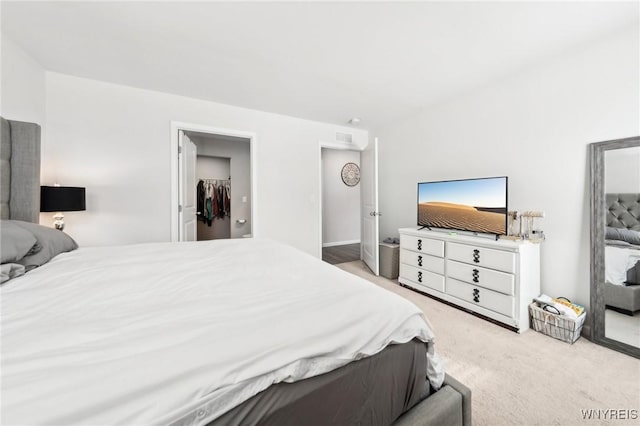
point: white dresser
(497, 279)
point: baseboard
(586, 332)
(340, 243)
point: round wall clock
(351, 174)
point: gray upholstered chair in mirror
(615, 244)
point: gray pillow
(9, 271)
(15, 242)
(623, 234)
(52, 241)
(617, 243)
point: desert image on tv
(477, 205)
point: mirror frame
(596, 156)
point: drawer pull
(476, 276)
(419, 276)
(476, 256)
(419, 244)
(419, 260)
(476, 295)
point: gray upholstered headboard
(20, 170)
(623, 211)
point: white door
(187, 153)
(369, 210)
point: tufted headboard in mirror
(20, 170)
(623, 211)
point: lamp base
(58, 222)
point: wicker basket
(565, 329)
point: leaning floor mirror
(615, 244)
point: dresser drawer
(489, 258)
(497, 302)
(422, 245)
(483, 277)
(424, 261)
(422, 277)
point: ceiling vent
(344, 137)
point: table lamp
(60, 199)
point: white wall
(115, 141)
(533, 127)
(622, 170)
(23, 93)
(239, 168)
(23, 85)
(340, 203)
(211, 167)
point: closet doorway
(215, 185)
(341, 199)
(213, 197)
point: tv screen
(476, 205)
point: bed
(622, 253)
(245, 331)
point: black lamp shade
(62, 199)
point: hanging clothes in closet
(220, 199)
(227, 198)
(200, 201)
(213, 199)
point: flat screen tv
(475, 205)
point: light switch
(244, 198)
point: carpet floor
(528, 378)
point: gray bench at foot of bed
(622, 297)
(450, 406)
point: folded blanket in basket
(578, 309)
(563, 306)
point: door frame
(177, 126)
(340, 147)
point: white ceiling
(322, 61)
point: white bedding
(618, 261)
(170, 333)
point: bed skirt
(387, 388)
(375, 390)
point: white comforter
(181, 333)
